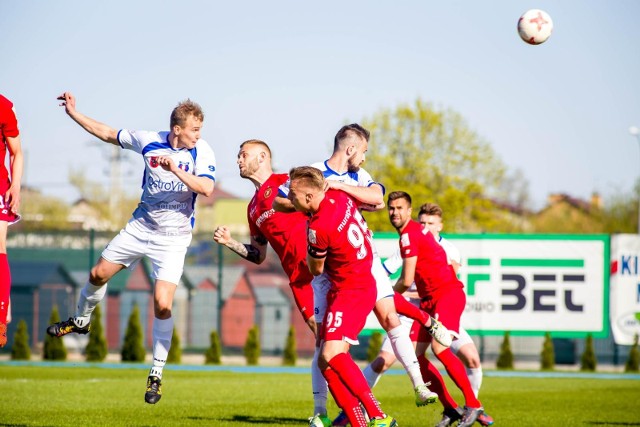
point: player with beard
(339, 245)
(343, 171)
(441, 295)
(286, 233)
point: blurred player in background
(430, 217)
(10, 180)
(339, 244)
(178, 166)
(441, 295)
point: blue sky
(291, 73)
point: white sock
(371, 376)
(405, 353)
(162, 333)
(90, 296)
(319, 386)
(475, 378)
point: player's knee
(98, 276)
(162, 311)
(378, 365)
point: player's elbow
(207, 189)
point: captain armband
(315, 252)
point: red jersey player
(286, 233)
(9, 200)
(339, 244)
(442, 296)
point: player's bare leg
(90, 295)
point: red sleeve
(408, 244)
(8, 120)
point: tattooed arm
(255, 252)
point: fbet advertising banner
(530, 284)
(625, 287)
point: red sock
(405, 308)
(344, 398)
(5, 287)
(353, 378)
(431, 375)
(458, 374)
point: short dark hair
(347, 130)
(399, 195)
(257, 142)
(430, 209)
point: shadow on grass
(254, 420)
(612, 423)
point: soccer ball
(535, 26)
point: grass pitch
(82, 395)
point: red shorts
(448, 306)
(303, 296)
(347, 311)
(6, 214)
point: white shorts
(166, 252)
(463, 338)
(321, 285)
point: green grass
(75, 395)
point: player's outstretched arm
(94, 127)
(255, 252)
(371, 197)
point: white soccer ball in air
(535, 26)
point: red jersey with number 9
(339, 232)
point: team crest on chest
(267, 192)
(184, 166)
(153, 162)
(404, 240)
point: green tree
(175, 351)
(290, 355)
(588, 360)
(505, 358)
(375, 343)
(633, 361)
(213, 355)
(133, 347)
(434, 155)
(54, 348)
(547, 356)
(41, 212)
(20, 349)
(96, 350)
(252, 346)
(620, 212)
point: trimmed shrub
(290, 355)
(547, 356)
(588, 360)
(375, 343)
(96, 350)
(213, 354)
(633, 361)
(133, 347)
(20, 349)
(252, 346)
(505, 359)
(175, 351)
(54, 348)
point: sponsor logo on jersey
(264, 216)
(160, 185)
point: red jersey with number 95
(339, 232)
